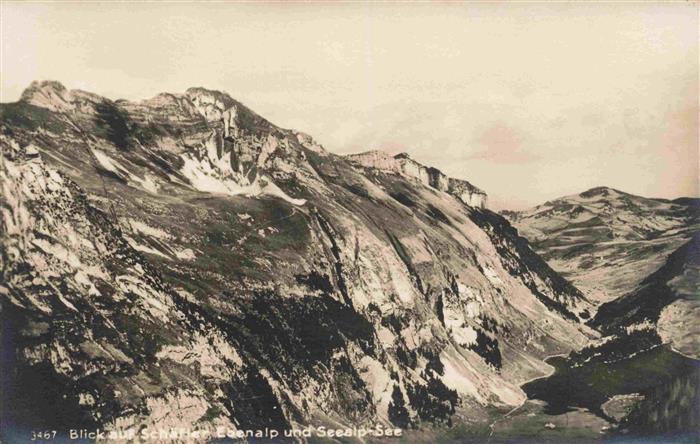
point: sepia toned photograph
(349, 222)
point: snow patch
(147, 230)
(148, 183)
(186, 254)
(109, 164)
(145, 249)
(219, 179)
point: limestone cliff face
(467, 193)
(403, 164)
(185, 251)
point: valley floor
(586, 403)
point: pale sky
(529, 101)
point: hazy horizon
(528, 101)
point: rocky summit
(183, 262)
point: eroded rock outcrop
(403, 164)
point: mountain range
(185, 251)
(606, 241)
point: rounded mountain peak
(601, 191)
(47, 94)
(44, 85)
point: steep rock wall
(429, 176)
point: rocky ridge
(403, 164)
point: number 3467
(43, 435)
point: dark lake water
(593, 383)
